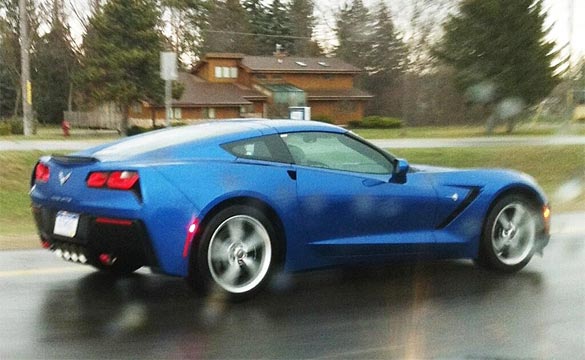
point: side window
(335, 151)
(265, 148)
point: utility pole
(168, 72)
(25, 71)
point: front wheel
(509, 234)
(237, 252)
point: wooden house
(228, 85)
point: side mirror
(401, 167)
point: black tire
(509, 235)
(238, 252)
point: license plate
(66, 224)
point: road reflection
(400, 310)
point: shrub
(323, 118)
(16, 126)
(5, 128)
(135, 130)
(354, 123)
(377, 122)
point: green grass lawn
(54, 132)
(468, 131)
(552, 166)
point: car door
(348, 204)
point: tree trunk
(510, 124)
(124, 123)
(490, 124)
(70, 97)
(17, 100)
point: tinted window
(335, 151)
(266, 148)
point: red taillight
(42, 173)
(97, 179)
(110, 221)
(122, 180)
(118, 180)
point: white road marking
(43, 271)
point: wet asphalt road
(52, 309)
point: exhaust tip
(107, 259)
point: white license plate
(66, 224)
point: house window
(209, 113)
(177, 113)
(347, 106)
(137, 108)
(246, 109)
(226, 72)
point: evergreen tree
(354, 34)
(302, 23)
(259, 24)
(501, 53)
(121, 55)
(386, 62)
(228, 29)
(54, 63)
(279, 26)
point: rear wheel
(237, 253)
(509, 234)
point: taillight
(122, 180)
(118, 180)
(97, 179)
(42, 173)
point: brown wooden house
(227, 85)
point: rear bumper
(96, 235)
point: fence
(105, 117)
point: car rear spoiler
(74, 160)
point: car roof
(202, 134)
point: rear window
(265, 148)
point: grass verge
(552, 166)
(468, 131)
(54, 132)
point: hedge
(376, 122)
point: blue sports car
(226, 204)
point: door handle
(292, 174)
(372, 182)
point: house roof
(198, 92)
(345, 94)
(291, 64)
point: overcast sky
(558, 17)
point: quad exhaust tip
(72, 253)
